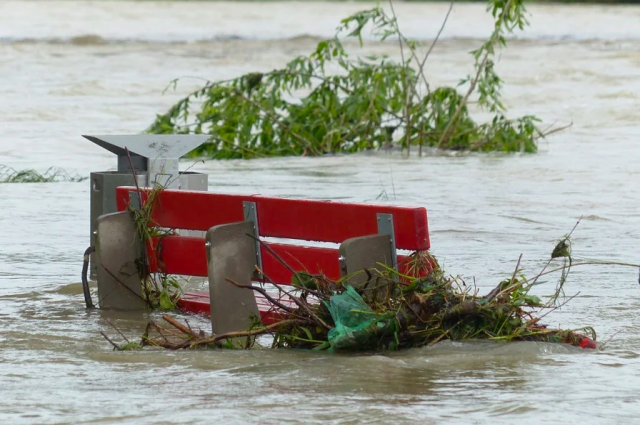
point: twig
(143, 252)
(117, 330)
(542, 271)
(264, 293)
(228, 335)
(442, 335)
(178, 325)
(145, 337)
(293, 297)
(609, 340)
(513, 278)
(407, 89)
(252, 332)
(551, 259)
(302, 304)
(120, 282)
(275, 255)
(585, 263)
(426, 56)
(555, 130)
(574, 228)
(474, 82)
(189, 326)
(316, 294)
(395, 23)
(592, 263)
(135, 176)
(497, 291)
(159, 329)
(115, 346)
(169, 345)
(552, 309)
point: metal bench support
(231, 254)
(385, 227)
(118, 249)
(361, 253)
(366, 252)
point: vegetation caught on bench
(330, 102)
(388, 311)
(393, 311)
(160, 291)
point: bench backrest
(306, 220)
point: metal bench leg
(231, 255)
(366, 252)
(118, 249)
(361, 253)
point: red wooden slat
(183, 255)
(122, 196)
(337, 222)
(314, 260)
(286, 218)
(186, 255)
(198, 303)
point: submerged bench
(367, 234)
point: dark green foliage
(330, 102)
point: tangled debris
(389, 311)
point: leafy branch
(329, 102)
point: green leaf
(304, 280)
(307, 332)
(165, 301)
(130, 346)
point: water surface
(72, 68)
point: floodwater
(72, 68)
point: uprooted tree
(330, 102)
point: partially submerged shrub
(330, 102)
(160, 291)
(53, 174)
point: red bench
(301, 220)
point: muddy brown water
(72, 68)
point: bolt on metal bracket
(343, 265)
(385, 227)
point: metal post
(251, 215)
(385, 227)
(155, 159)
